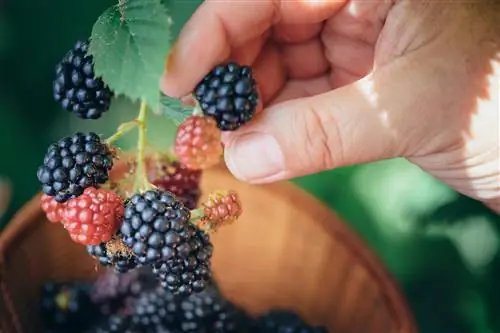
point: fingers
(219, 26)
(374, 118)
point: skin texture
(348, 82)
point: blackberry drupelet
(154, 227)
(66, 306)
(176, 178)
(279, 321)
(121, 263)
(228, 94)
(191, 272)
(73, 164)
(208, 312)
(75, 86)
(115, 324)
(155, 308)
(116, 293)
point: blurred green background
(441, 246)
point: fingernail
(254, 156)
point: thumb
(349, 125)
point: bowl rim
(27, 217)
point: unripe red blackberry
(221, 208)
(77, 88)
(198, 143)
(228, 93)
(53, 210)
(176, 178)
(93, 217)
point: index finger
(217, 26)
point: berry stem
(197, 214)
(141, 178)
(122, 130)
(197, 111)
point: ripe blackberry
(65, 306)
(154, 227)
(198, 143)
(279, 321)
(228, 94)
(115, 293)
(75, 86)
(190, 272)
(73, 164)
(121, 262)
(208, 312)
(114, 324)
(176, 178)
(156, 308)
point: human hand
(348, 82)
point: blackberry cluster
(176, 178)
(73, 164)
(120, 263)
(65, 306)
(114, 324)
(228, 93)
(154, 226)
(279, 321)
(154, 309)
(116, 292)
(191, 272)
(77, 88)
(208, 312)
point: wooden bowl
(287, 251)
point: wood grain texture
(287, 251)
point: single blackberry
(75, 86)
(208, 312)
(155, 225)
(156, 308)
(115, 293)
(228, 94)
(73, 164)
(115, 324)
(176, 178)
(191, 272)
(280, 321)
(66, 306)
(121, 263)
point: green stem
(197, 214)
(141, 178)
(197, 111)
(122, 130)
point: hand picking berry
(53, 209)
(76, 87)
(93, 217)
(228, 93)
(176, 178)
(73, 164)
(198, 143)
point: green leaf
(174, 110)
(130, 42)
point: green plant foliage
(130, 42)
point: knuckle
(321, 143)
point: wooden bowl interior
(287, 251)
